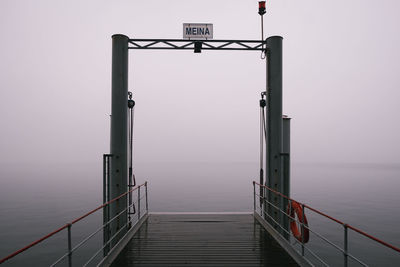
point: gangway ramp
(207, 239)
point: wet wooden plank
(203, 240)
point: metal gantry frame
(182, 44)
(276, 158)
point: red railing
(68, 224)
(333, 219)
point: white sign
(197, 31)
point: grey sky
(341, 80)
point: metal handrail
(68, 226)
(344, 250)
(288, 232)
(112, 238)
(334, 219)
(91, 235)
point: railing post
(138, 200)
(302, 231)
(254, 201)
(285, 219)
(147, 201)
(104, 178)
(345, 253)
(262, 203)
(69, 246)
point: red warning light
(261, 7)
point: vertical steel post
(119, 131)
(104, 179)
(274, 118)
(254, 200)
(345, 253)
(147, 200)
(285, 171)
(302, 231)
(69, 246)
(105, 237)
(138, 201)
(108, 200)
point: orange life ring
(295, 208)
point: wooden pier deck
(202, 240)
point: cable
(261, 143)
(131, 106)
(131, 122)
(263, 135)
(131, 176)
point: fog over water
(194, 111)
(340, 80)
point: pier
(202, 240)
(275, 233)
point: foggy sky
(340, 84)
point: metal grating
(203, 240)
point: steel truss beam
(181, 44)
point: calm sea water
(37, 200)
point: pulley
(131, 102)
(263, 103)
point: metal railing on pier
(142, 210)
(262, 206)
